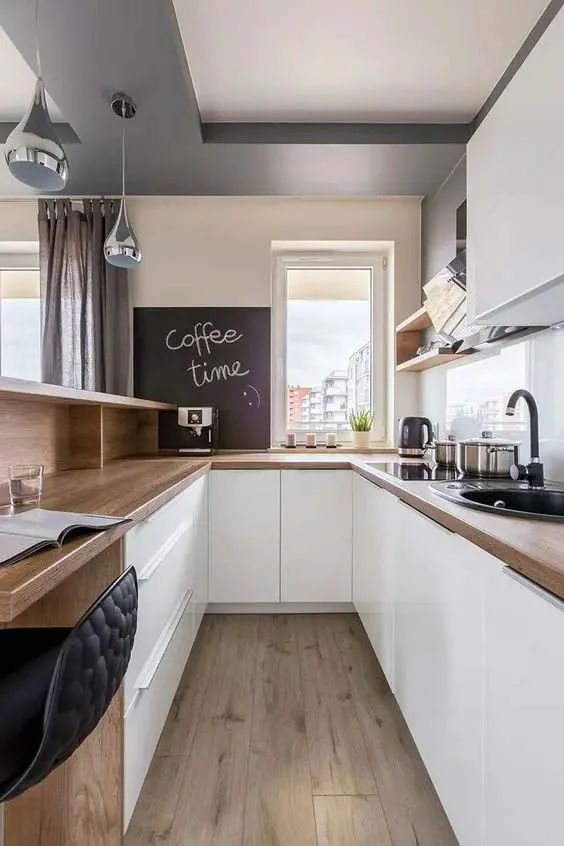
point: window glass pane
(328, 346)
(20, 324)
(480, 390)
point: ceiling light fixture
(122, 249)
(32, 150)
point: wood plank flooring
(284, 732)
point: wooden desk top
(136, 487)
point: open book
(29, 531)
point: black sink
(508, 499)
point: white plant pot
(361, 440)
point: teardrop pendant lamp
(32, 150)
(122, 248)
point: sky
(322, 334)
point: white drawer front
(155, 688)
(145, 539)
(163, 581)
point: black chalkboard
(208, 356)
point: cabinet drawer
(143, 541)
(154, 691)
(163, 581)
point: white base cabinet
(439, 645)
(245, 536)
(316, 536)
(524, 716)
(170, 552)
(376, 528)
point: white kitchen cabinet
(200, 549)
(169, 551)
(244, 536)
(439, 643)
(515, 177)
(376, 526)
(524, 718)
(316, 536)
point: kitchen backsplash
(473, 395)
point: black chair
(56, 684)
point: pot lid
(489, 442)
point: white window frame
(376, 262)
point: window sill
(375, 449)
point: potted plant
(361, 425)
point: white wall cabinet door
(516, 195)
(244, 536)
(439, 662)
(375, 531)
(524, 719)
(316, 536)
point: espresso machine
(190, 430)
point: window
(480, 389)
(20, 324)
(329, 325)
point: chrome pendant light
(32, 150)
(122, 249)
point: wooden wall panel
(33, 432)
(119, 433)
(85, 434)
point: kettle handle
(430, 433)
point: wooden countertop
(136, 487)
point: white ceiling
(17, 81)
(350, 60)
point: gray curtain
(86, 340)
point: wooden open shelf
(434, 358)
(409, 337)
(66, 429)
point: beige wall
(217, 250)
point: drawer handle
(160, 555)
(149, 671)
(426, 517)
(534, 588)
(157, 513)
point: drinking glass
(25, 483)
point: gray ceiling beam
(336, 133)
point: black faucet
(533, 472)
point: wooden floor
(284, 733)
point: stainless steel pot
(444, 453)
(489, 458)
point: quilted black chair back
(89, 665)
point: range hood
(467, 337)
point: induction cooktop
(417, 471)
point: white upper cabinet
(316, 536)
(524, 720)
(439, 662)
(515, 165)
(244, 536)
(376, 526)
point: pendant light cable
(37, 55)
(123, 163)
